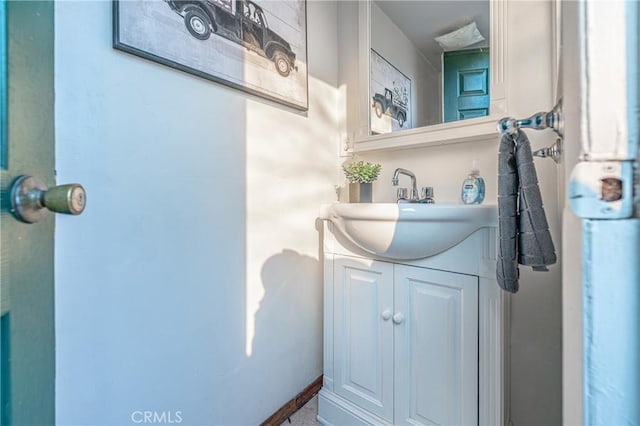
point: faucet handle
(427, 195)
(402, 194)
(427, 192)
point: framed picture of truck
(390, 91)
(257, 46)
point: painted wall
(536, 323)
(391, 43)
(191, 283)
(572, 330)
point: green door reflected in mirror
(466, 84)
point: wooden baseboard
(284, 412)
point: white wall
(191, 282)
(391, 43)
(536, 326)
(572, 330)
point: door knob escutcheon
(30, 199)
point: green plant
(361, 172)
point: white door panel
(363, 338)
(436, 347)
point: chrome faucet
(413, 197)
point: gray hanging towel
(523, 228)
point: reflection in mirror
(429, 63)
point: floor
(306, 416)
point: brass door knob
(30, 199)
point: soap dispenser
(473, 186)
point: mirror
(429, 63)
(428, 67)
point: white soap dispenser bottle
(473, 186)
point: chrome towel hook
(542, 120)
(554, 151)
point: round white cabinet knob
(386, 315)
(398, 318)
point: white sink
(407, 231)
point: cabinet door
(363, 338)
(436, 347)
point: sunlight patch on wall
(287, 177)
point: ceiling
(421, 21)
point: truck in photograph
(241, 21)
(388, 104)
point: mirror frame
(481, 128)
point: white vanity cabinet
(406, 341)
(435, 347)
(363, 334)
(403, 342)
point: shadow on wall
(283, 346)
(291, 282)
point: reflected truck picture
(390, 105)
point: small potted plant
(361, 175)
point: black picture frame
(230, 42)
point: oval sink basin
(408, 231)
